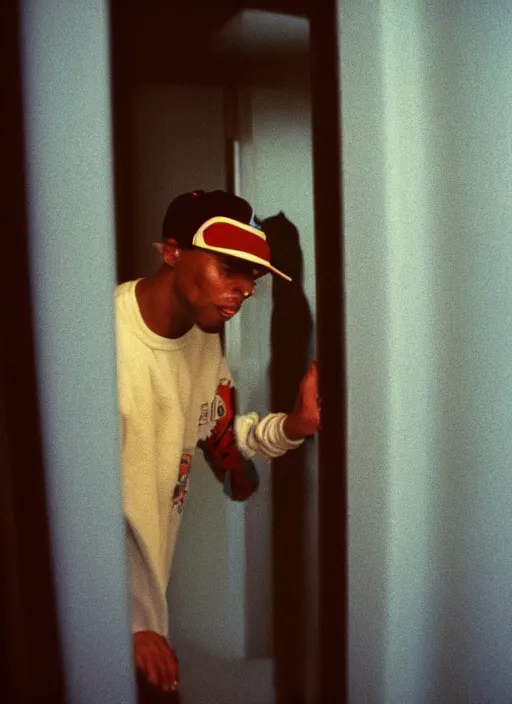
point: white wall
(280, 175)
(427, 102)
(69, 193)
(178, 146)
(276, 175)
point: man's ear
(170, 252)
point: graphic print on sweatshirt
(181, 488)
(219, 412)
(220, 447)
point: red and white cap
(236, 239)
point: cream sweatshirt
(171, 396)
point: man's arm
(155, 660)
(235, 440)
(304, 420)
(276, 433)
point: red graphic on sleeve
(181, 488)
(220, 448)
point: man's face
(212, 287)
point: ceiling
(259, 33)
(162, 41)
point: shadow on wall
(291, 331)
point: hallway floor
(209, 680)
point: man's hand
(156, 659)
(304, 420)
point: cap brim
(237, 254)
(238, 240)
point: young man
(176, 393)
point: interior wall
(276, 175)
(31, 653)
(177, 140)
(68, 168)
(426, 104)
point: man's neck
(159, 308)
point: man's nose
(245, 286)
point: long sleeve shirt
(176, 395)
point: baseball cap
(220, 222)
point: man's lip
(229, 311)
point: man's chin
(212, 328)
